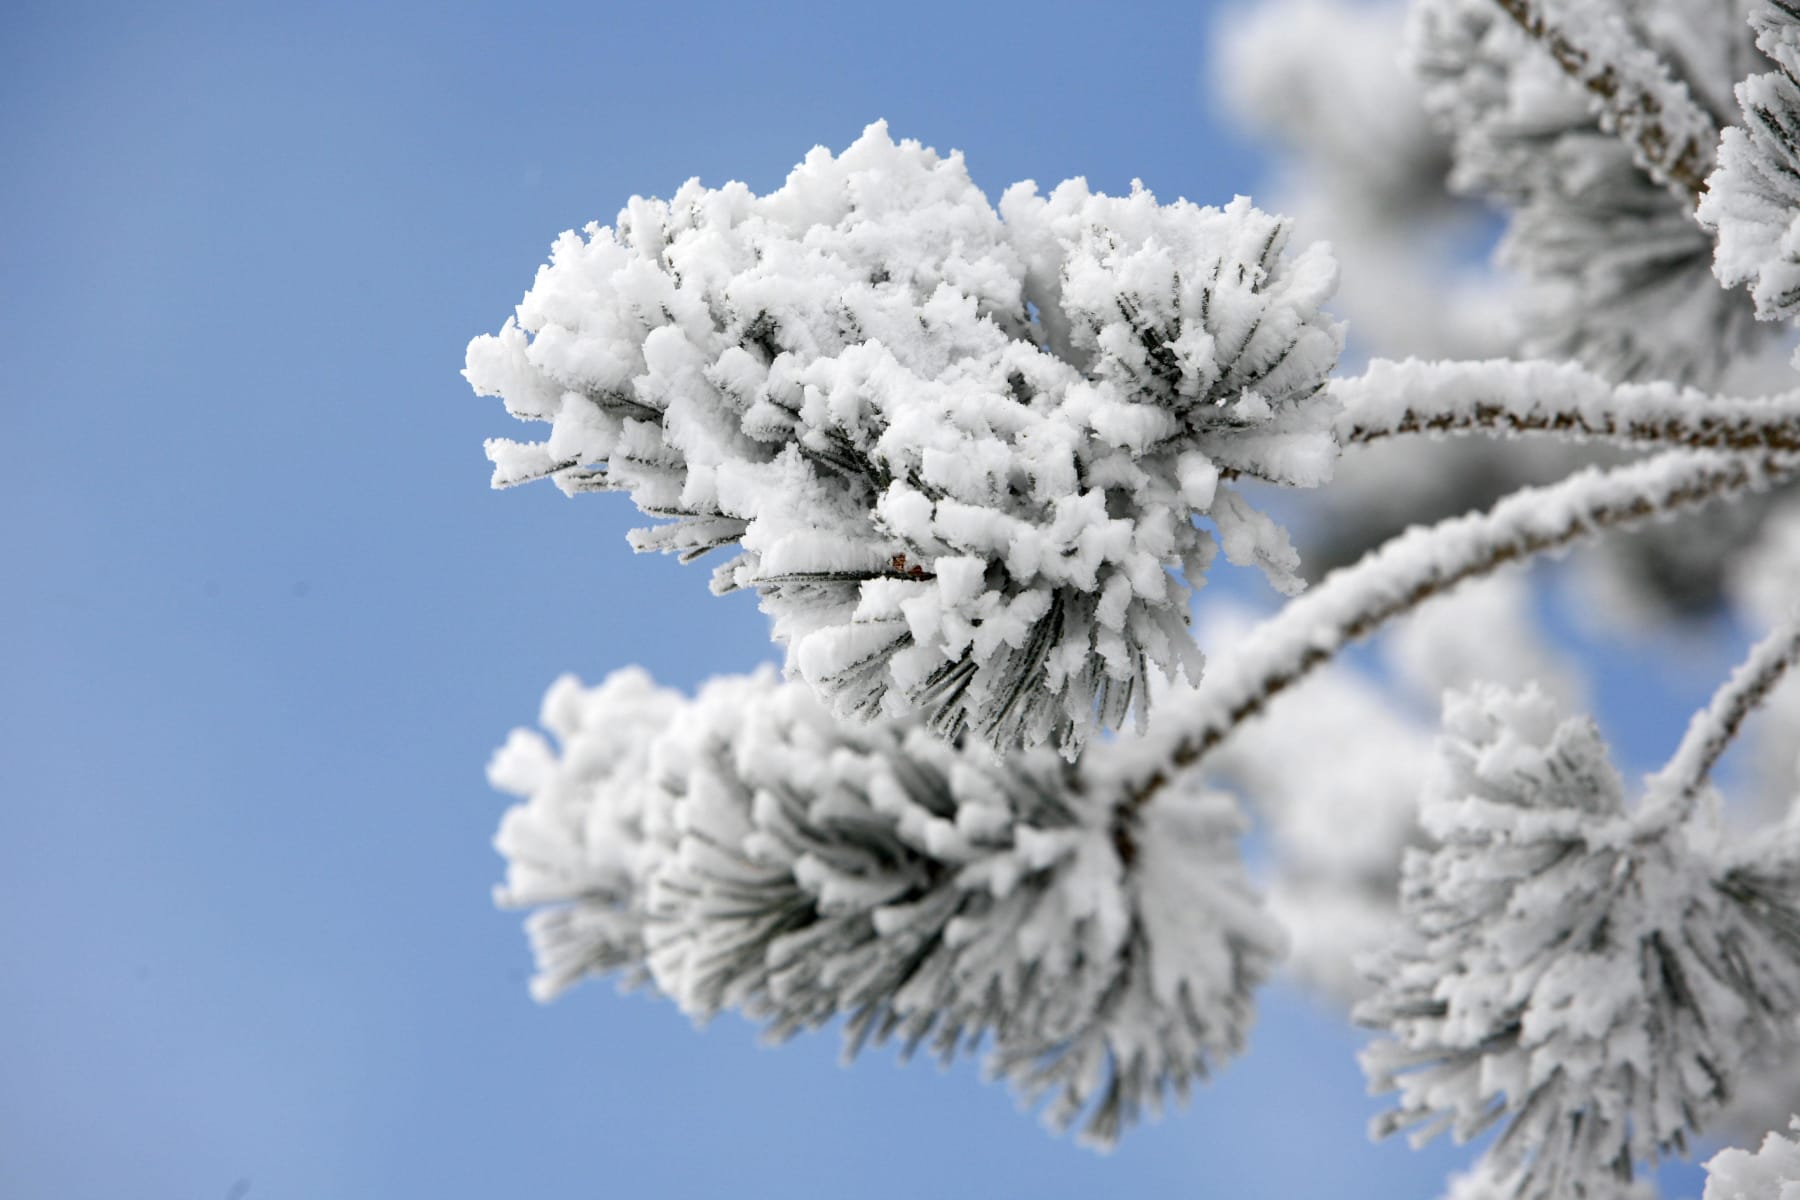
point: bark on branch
(1399, 576)
(1637, 95)
(1507, 397)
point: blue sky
(264, 621)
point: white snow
(844, 382)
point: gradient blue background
(263, 621)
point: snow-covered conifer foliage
(744, 850)
(975, 458)
(1592, 977)
(1616, 267)
(585, 831)
(957, 451)
(1753, 198)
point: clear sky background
(262, 620)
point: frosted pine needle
(1589, 978)
(1753, 199)
(767, 859)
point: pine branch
(932, 434)
(1712, 728)
(742, 849)
(1637, 96)
(1619, 271)
(1506, 397)
(1752, 198)
(1593, 976)
(1405, 572)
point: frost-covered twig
(1336, 764)
(1638, 97)
(1405, 572)
(1505, 396)
(1713, 727)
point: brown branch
(1714, 432)
(1498, 396)
(1713, 728)
(1750, 428)
(1672, 136)
(1402, 574)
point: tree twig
(1502, 396)
(1397, 577)
(1677, 785)
(1637, 95)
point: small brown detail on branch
(898, 565)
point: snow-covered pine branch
(1361, 166)
(963, 453)
(1424, 562)
(1505, 396)
(744, 850)
(1598, 260)
(1753, 199)
(589, 830)
(1618, 273)
(1712, 729)
(1593, 977)
(957, 452)
(1632, 88)
(1334, 766)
